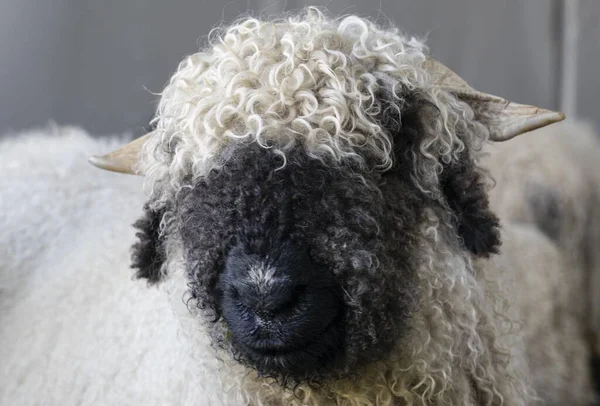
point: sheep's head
(294, 164)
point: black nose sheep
(319, 219)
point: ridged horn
(503, 118)
(124, 159)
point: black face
(308, 269)
(308, 264)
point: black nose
(266, 294)
(281, 310)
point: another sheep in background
(549, 180)
(315, 199)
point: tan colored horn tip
(544, 118)
(539, 119)
(104, 162)
(125, 159)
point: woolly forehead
(307, 80)
(334, 86)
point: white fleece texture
(75, 327)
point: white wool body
(76, 327)
(548, 179)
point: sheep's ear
(463, 186)
(462, 183)
(503, 118)
(123, 160)
(148, 253)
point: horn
(503, 118)
(123, 160)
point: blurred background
(99, 64)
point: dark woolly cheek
(148, 254)
(372, 250)
(379, 293)
(477, 225)
(208, 231)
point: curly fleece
(401, 208)
(306, 80)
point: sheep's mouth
(274, 357)
(278, 347)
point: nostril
(234, 293)
(284, 296)
(299, 291)
(288, 300)
(264, 314)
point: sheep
(79, 331)
(317, 224)
(548, 180)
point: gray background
(96, 63)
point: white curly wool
(75, 327)
(306, 79)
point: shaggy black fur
(595, 367)
(357, 226)
(148, 254)
(465, 193)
